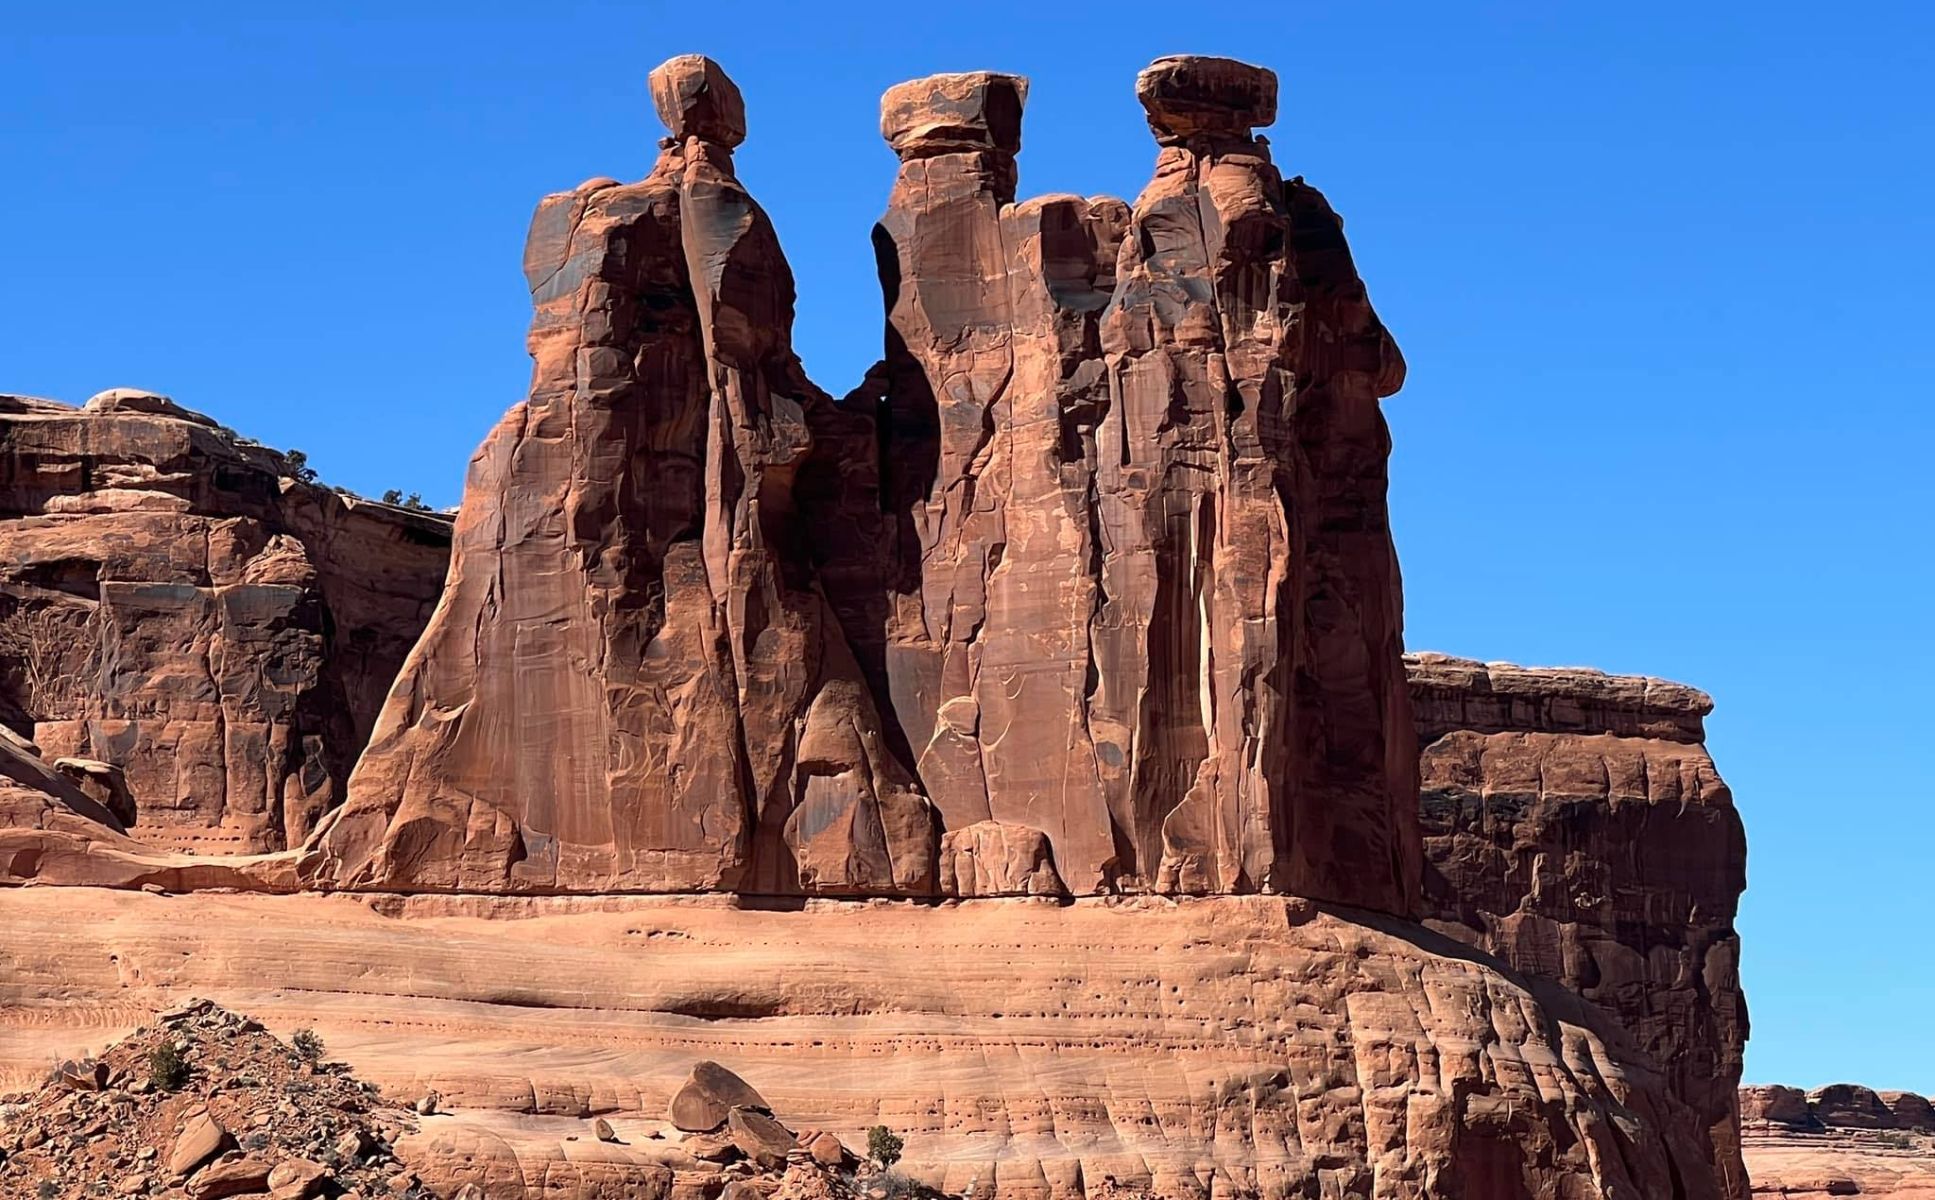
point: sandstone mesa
(1019, 751)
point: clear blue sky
(1661, 271)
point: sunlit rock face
(1576, 827)
(1096, 564)
(185, 610)
(1078, 620)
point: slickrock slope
(207, 637)
(1245, 1045)
(1841, 1140)
(1575, 826)
(1089, 591)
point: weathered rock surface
(1098, 560)
(1840, 1140)
(1088, 592)
(633, 682)
(202, 636)
(1837, 1106)
(1575, 826)
(1228, 1044)
(709, 1095)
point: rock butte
(1080, 616)
(1840, 1140)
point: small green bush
(298, 464)
(884, 1145)
(167, 1069)
(308, 1044)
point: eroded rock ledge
(1575, 826)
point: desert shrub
(298, 464)
(167, 1069)
(884, 1145)
(308, 1044)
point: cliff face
(176, 606)
(1574, 826)
(1082, 608)
(1089, 591)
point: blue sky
(1661, 272)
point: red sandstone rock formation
(175, 606)
(1089, 589)
(1575, 826)
(633, 682)
(1839, 1140)
(1103, 543)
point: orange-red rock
(1840, 1140)
(179, 609)
(1575, 827)
(1088, 590)
(1207, 1046)
(1099, 559)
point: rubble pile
(203, 1104)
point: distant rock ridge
(1840, 1140)
(1837, 1106)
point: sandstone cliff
(1080, 615)
(1090, 591)
(178, 608)
(1574, 825)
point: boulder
(81, 1074)
(201, 1138)
(827, 1150)
(760, 1138)
(297, 1179)
(231, 1175)
(989, 858)
(1191, 96)
(707, 1097)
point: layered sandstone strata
(1220, 1046)
(176, 605)
(1574, 825)
(1837, 1106)
(1090, 590)
(1839, 1140)
(1087, 592)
